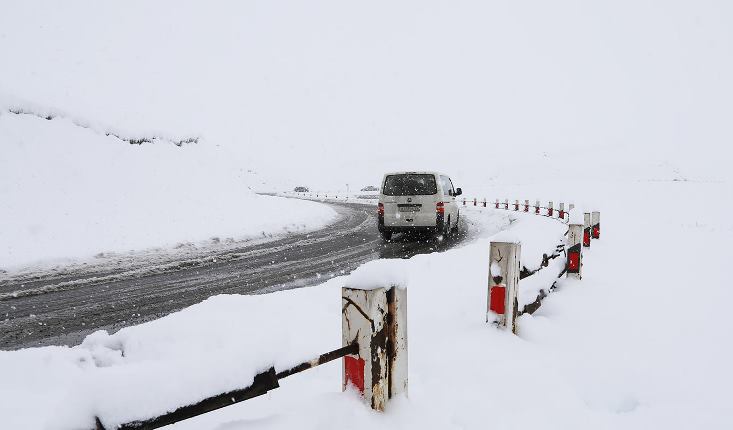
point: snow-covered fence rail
(374, 335)
(565, 259)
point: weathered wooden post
(561, 212)
(550, 210)
(537, 207)
(595, 219)
(503, 281)
(497, 203)
(516, 205)
(526, 205)
(506, 204)
(586, 229)
(575, 254)
(376, 319)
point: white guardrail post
(586, 229)
(502, 306)
(595, 220)
(377, 320)
(561, 211)
(550, 210)
(537, 207)
(575, 252)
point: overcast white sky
(328, 92)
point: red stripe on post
(498, 294)
(596, 231)
(574, 262)
(586, 237)
(354, 368)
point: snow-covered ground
(70, 193)
(640, 342)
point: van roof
(417, 172)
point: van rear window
(409, 185)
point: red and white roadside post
(586, 229)
(497, 203)
(526, 205)
(464, 201)
(484, 201)
(502, 307)
(516, 205)
(561, 211)
(475, 201)
(506, 204)
(595, 220)
(575, 251)
(537, 207)
(377, 320)
(550, 210)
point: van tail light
(440, 208)
(380, 209)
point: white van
(414, 201)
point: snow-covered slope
(72, 192)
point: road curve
(62, 307)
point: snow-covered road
(63, 306)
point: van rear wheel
(386, 234)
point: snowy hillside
(70, 192)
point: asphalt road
(62, 306)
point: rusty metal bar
(352, 349)
(262, 383)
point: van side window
(447, 185)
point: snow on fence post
(550, 210)
(516, 205)
(561, 212)
(586, 229)
(497, 203)
(575, 254)
(537, 207)
(376, 319)
(595, 220)
(526, 205)
(503, 281)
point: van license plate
(409, 208)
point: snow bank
(70, 192)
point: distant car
(370, 188)
(417, 201)
(301, 189)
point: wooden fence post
(502, 307)
(575, 254)
(376, 319)
(595, 218)
(586, 229)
